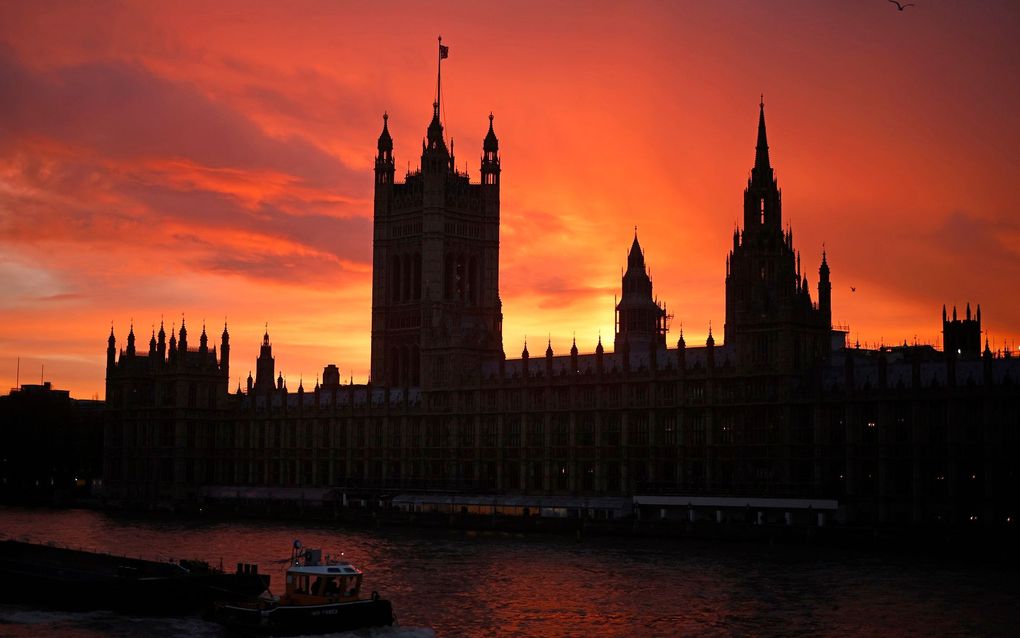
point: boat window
(301, 585)
(350, 586)
(332, 586)
(319, 586)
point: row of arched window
(405, 365)
(460, 276)
(405, 278)
(461, 280)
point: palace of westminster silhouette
(782, 419)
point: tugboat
(322, 596)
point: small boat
(322, 596)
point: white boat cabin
(312, 580)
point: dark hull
(78, 580)
(293, 620)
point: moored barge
(64, 578)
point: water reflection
(491, 584)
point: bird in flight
(901, 7)
(853, 288)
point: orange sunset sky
(215, 159)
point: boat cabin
(312, 580)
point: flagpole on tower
(443, 53)
(439, 76)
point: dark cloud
(345, 238)
(288, 268)
(109, 154)
(125, 111)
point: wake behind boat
(322, 596)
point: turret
(384, 166)
(599, 355)
(986, 360)
(573, 357)
(524, 357)
(172, 352)
(490, 157)
(152, 344)
(548, 358)
(710, 348)
(265, 366)
(824, 293)
(161, 342)
(435, 157)
(111, 351)
(203, 341)
(225, 352)
(182, 342)
(961, 338)
(131, 339)
(639, 318)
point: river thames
(447, 583)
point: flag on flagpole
(444, 52)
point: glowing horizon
(217, 162)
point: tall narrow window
(459, 276)
(405, 289)
(395, 279)
(762, 210)
(416, 282)
(473, 281)
(448, 279)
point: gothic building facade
(782, 409)
(436, 311)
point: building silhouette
(782, 419)
(436, 311)
(53, 446)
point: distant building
(782, 414)
(52, 445)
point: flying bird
(853, 288)
(901, 7)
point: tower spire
(761, 151)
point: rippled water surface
(462, 584)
